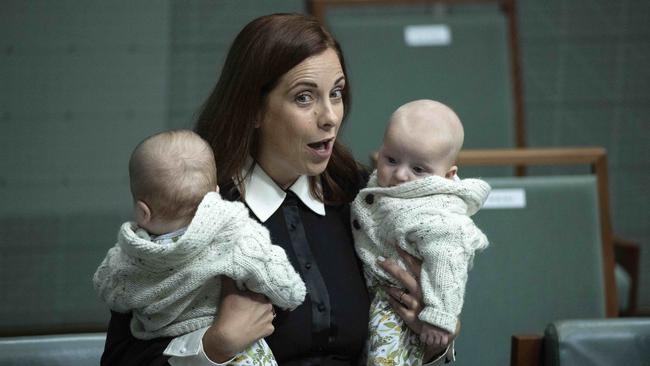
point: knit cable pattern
(175, 289)
(430, 219)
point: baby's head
(170, 173)
(423, 138)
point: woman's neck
(282, 178)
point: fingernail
(381, 259)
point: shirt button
(356, 225)
(308, 265)
(370, 198)
(292, 226)
(321, 307)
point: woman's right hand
(243, 318)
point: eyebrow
(304, 83)
(311, 84)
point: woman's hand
(408, 304)
(243, 318)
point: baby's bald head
(171, 172)
(432, 126)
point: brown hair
(171, 172)
(264, 50)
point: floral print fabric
(390, 341)
(258, 354)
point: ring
(400, 297)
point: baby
(166, 266)
(415, 201)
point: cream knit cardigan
(174, 289)
(428, 218)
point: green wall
(80, 84)
(201, 33)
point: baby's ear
(451, 172)
(142, 213)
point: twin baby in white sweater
(184, 230)
(166, 267)
(415, 201)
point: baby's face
(406, 155)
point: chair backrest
(595, 158)
(388, 65)
(52, 350)
(598, 342)
(544, 263)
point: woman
(272, 121)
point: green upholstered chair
(598, 342)
(52, 350)
(544, 263)
(563, 289)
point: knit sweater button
(356, 225)
(308, 265)
(370, 198)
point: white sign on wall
(427, 35)
(506, 198)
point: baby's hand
(434, 336)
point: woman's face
(302, 116)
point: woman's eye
(337, 93)
(304, 98)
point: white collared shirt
(263, 197)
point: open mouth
(323, 145)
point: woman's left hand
(408, 304)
